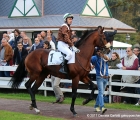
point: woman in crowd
(46, 45)
(112, 63)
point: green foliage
(134, 38)
(127, 11)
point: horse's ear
(102, 30)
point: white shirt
(52, 45)
(11, 36)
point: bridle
(101, 39)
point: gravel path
(62, 111)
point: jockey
(64, 40)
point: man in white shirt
(49, 38)
(11, 35)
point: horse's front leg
(74, 95)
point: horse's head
(101, 41)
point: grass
(6, 115)
(22, 96)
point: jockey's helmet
(67, 15)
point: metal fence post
(110, 88)
(45, 91)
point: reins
(81, 64)
(88, 70)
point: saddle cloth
(56, 58)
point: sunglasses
(128, 51)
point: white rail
(5, 80)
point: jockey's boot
(64, 68)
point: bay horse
(35, 64)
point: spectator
(23, 35)
(50, 33)
(11, 35)
(101, 67)
(129, 62)
(26, 44)
(49, 38)
(57, 91)
(40, 39)
(43, 35)
(11, 42)
(74, 32)
(17, 36)
(4, 35)
(46, 45)
(6, 54)
(136, 51)
(115, 59)
(36, 45)
(19, 53)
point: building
(37, 15)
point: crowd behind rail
(17, 45)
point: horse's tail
(19, 75)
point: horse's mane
(83, 38)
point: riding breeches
(64, 48)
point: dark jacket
(139, 59)
(110, 35)
(16, 58)
(37, 47)
(19, 38)
(113, 64)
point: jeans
(101, 83)
(5, 73)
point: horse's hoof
(37, 111)
(75, 115)
(31, 107)
(85, 102)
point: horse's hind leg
(93, 86)
(28, 86)
(34, 89)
